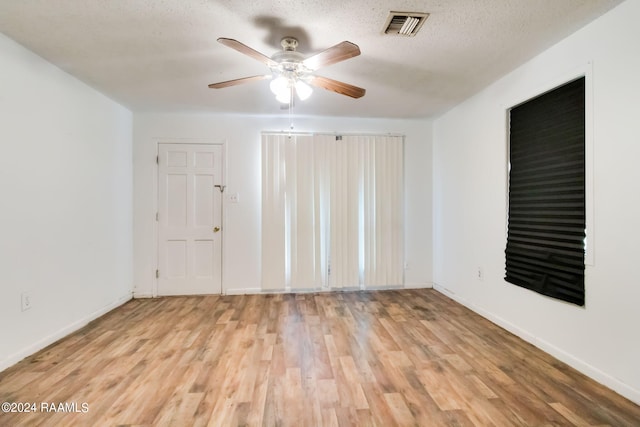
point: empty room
(319, 213)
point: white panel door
(189, 219)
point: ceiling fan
(292, 73)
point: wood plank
(402, 357)
(399, 409)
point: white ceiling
(160, 55)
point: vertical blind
(546, 229)
(332, 211)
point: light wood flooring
(384, 358)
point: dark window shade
(546, 230)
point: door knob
(216, 229)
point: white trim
(377, 288)
(157, 141)
(423, 285)
(156, 245)
(243, 291)
(62, 333)
(223, 213)
(586, 71)
(260, 291)
(591, 371)
(142, 296)
(590, 255)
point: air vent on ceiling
(404, 23)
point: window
(332, 211)
(546, 226)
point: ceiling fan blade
(234, 82)
(243, 48)
(337, 53)
(338, 87)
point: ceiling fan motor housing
(289, 43)
(290, 62)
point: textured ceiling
(160, 55)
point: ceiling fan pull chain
(290, 112)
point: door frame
(156, 195)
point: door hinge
(157, 274)
(157, 216)
(157, 160)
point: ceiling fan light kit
(292, 74)
(281, 89)
(284, 88)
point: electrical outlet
(480, 274)
(234, 198)
(26, 301)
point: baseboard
(28, 351)
(592, 372)
(243, 291)
(427, 285)
(260, 291)
(141, 296)
(253, 291)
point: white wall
(602, 338)
(241, 257)
(66, 202)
